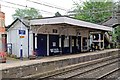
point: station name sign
(22, 32)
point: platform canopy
(68, 20)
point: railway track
(114, 74)
(87, 70)
(97, 72)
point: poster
(72, 42)
(54, 44)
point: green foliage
(116, 33)
(27, 12)
(116, 36)
(93, 11)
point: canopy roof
(68, 20)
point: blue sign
(22, 32)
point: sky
(44, 10)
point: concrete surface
(25, 68)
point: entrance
(74, 46)
(54, 44)
(65, 42)
(79, 43)
(42, 45)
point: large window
(95, 36)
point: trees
(116, 36)
(94, 11)
(27, 12)
(116, 33)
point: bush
(8, 55)
(13, 56)
(108, 47)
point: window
(66, 41)
(84, 42)
(73, 43)
(55, 31)
(95, 36)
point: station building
(54, 36)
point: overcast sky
(44, 10)
(63, 4)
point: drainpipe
(28, 43)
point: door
(54, 45)
(74, 47)
(79, 43)
(65, 44)
(42, 45)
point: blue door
(42, 45)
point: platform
(49, 59)
(30, 67)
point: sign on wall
(22, 32)
(22, 36)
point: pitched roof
(9, 26)
(112, 22)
